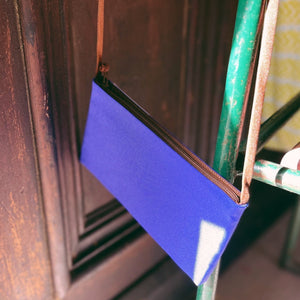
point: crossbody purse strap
(100, 66)
(264, 62)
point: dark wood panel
(24, 261)
(210, 31)
(165, 281)
(82, 19)
(167, 55)
(95, 194)
(139, 255)
(143, 44)
(95, 224)
(34, 23)
(151, 48)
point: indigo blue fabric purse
(187, 208)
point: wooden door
(63, 235)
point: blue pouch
(187, 208)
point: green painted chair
(248, 27)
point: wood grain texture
(33, 22)
(143, 42)
(111, 277)
(94, 221)
(210, 30)
(24, 261)
(63, 235)
(132, 34)
(164, 281)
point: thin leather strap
(259, 93)
(100, 67)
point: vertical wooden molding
(209, 35)
(25, 264)
(195, 38)
(32, 25)
(183, 72)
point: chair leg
(286, 259)
(246, 26)
(207, 291)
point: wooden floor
(256, 275)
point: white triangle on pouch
(211, 237)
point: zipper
(170, 140)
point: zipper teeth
(145, 118)
(217, 179)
